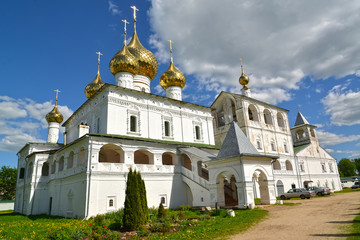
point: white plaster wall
(6, 206)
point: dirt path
(317, 218)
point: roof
(40, 143)
(249, 98)
(300, 119)
(107, 85)
(199, 145)
(300, 147)
(236, 144)
(206, 156)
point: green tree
(346, 168)
(135, 211)
(357, 165)
(7, 183)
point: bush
(135, 210)
(161, 212)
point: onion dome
(94, 86)
(124, 61)
(54, 115)
(148, 64)
(173, 76)
(244, 79)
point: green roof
(298, 148)
(199, 145)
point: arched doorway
(279, 187)
(111, 153)
(259, 177)
(227, 190)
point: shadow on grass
(33, 217)
(336, 235)
(345, 222)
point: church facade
(228, 154)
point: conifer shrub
(161, 211)
(135, 206)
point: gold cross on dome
(171, 57)
(57, 92)
(135, 9)
(99, 53)
(242, 69)
(125, 22)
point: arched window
(300, 134)
(45, 169)
(53, 167)
(167, 128)
(168, 158)
(280, 120)
(258, 144)
(203, 170)
(267, 117)
(288, 165)
(253, 116)
(81, 157)
(220, 117)
(111, 202)
(61, 164)
(143, 157)
(273, 148)
(277, 165)
(233, 110)
(111, 153)
(133, 123)
(186, 162)
(70, 162)
(312, 132)
(197, 132)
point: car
(320, 191)
(297, 193)
(356, 185)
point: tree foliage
(7, 183)
(346, 168)
(357, 165)
(135, 206)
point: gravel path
(316, 218)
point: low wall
(7, 205)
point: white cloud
(114, 9)
(342, 105)
(280, 42)
(329, 139)
(22, 121)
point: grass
(348, 190)
(189, 224)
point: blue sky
(298, 54)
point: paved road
(316, 218)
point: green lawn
(196, 225)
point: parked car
(298, 193)
(356, 185)
(320, 191)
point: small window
(111, 203)
(331, 167)
(251, 117)
(132, 123)
(98, 126)
(197, 133)
(163, 200)
(302, 168)
(323, 167)
(258, 143)
(293, 186)
(220, 119)
(286, 148)
(45, 169)
(22, 173)
(273, 147)
(167, 128)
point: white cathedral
(228, 154)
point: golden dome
(172, 77)
(54, 115)
(244, 79)
(148, 64)
(124, 61)
(94, 86)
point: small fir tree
(161, 211)
(135, 214)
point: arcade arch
(111, 153)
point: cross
(135, 9)
(125, 22)
(99, 53)
(242, 69)
(298, 109)
(171, 42)
(57, 92)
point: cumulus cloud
(22, 120)
(114, 9)
(342, 104)
(280, 42)
(330, 139)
